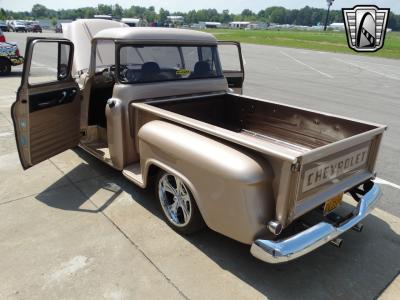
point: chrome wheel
(175, 200)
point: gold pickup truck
(164, 106)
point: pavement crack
(17, 199)
(34, 194)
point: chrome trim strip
(313, 237)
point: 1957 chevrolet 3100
(164, 106)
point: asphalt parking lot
(72, 228)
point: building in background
(174, 21)
(337, 26)
(104, 17)
(257, 26)
(204, 25)
(239, 24)
(131, 22)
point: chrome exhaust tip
(358, 227)
(275, 227)
(337, 242)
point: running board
(134, 173)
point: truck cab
(119, 62)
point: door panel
(50, 99)
(232, 64)
(46, 114)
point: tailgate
(325, 172)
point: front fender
(232, 186)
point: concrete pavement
(73, 228)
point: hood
(81, 33)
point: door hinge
(83, 132)
(296, 167)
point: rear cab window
(155, 63)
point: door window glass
(230, 57)
(50, 62)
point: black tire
(194, 224)
(5, 67)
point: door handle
(63, 97)
(60, 100)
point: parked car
(33, 27)
(2, 37)
(4, 26)
(164, 110)
(9, 56)
(18, 26)
(58, 28)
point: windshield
(138, 64)
(105, 54)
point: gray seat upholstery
(201, 69)
(150, 72)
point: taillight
(17, 52)
(2, 38)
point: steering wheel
(108, 74)
(127, 74)
(130, 75)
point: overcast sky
(235, 6)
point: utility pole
(329, 2)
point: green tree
(149, 14)
(89, 12)
(39, 11)
(247, 15)
(54, 21)
(103, 9)
(162, 15)
(191, 17)
(304, 16)
(278, 15)
(118, 11)
(3, 14)
(392, 22)
(226, 16)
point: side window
(50, 62)
(230, 57)
(191, 56)
(206, 54)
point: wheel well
(151, 174)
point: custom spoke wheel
(177, 203)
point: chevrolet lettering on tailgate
(327, 171)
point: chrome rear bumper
(313, 237)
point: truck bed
(315, 155)
(298, 129)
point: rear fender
(231, 186)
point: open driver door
(46, 113)
(230, 54)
